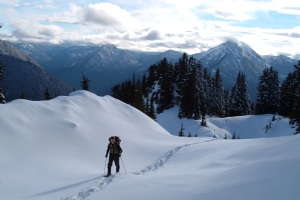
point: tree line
(197, 93)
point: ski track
(104, 182)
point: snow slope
(246, 127)
(55, 150)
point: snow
(55, 150)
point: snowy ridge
(55, 150)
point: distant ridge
(108, 65)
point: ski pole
(105, 165)
(123, 165)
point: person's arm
(120, 149)
(107, 150)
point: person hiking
(115, 152)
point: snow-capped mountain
(108, 65)
(232, 58)
(23, 75)
(7, 48)
(282, 64)
(104, 65)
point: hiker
(115, 151)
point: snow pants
(113, 158)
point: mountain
(283, 64)
(7, 48)
(22, 74)
(232, 58)
(56, 150)
(107, 65)
(104, 65)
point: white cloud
(153, 25)
(106, 14)
(10, 2)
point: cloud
(291, 34)
(103, 14)
(13, 3)
(26, 30)
(152, 35)
(223, 14)
(106, 14)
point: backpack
(117, 139)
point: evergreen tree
(296, 107)
(85, 83)
(288, 95)
(47, 94)
(268, 95)
(190, 103)
(151, 113)
(239, 99)
(152, 77)
(181, 74)
(138, 101)
(2, 97)
(22, 96)
(166, 86)
(181, 132)
(226, 102)
(217, 96)
(144, 86)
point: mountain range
(108, 65)
(23, 76)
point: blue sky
(269, 26)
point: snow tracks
(104, 182)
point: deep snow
(55, 150)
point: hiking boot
(107, 175)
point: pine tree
(190, 103)
(138, 101)
(217, 97)
(181, 75)
(85, 83)
(2, 97)
(268, 95)
(152, 109)
(288, 95)
(166, 86)
(239, 99)
(296, 107)
(152, 77)
(47, 94)
(181, 132)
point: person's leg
(117, 163)
(110, 161)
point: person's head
(112, 140)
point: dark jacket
(113, 149)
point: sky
(270, 27)
(51, 150)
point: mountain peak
(109, 47)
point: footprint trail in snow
(104, 182)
